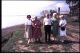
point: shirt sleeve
(51, 20)
(65, 22)
(43, 21)
(25, 23)
(60, 22)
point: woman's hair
(28, 16)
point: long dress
(54, 29)
(61, 24)
(36, 29)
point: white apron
(62, 33)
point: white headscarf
(53, 17)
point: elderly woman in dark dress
(54, 24)
(36, 29)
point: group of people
(53, 25)
(32, 29)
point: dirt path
(18, 43)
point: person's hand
(38, 27)
(35, 24)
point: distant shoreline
(12, 26)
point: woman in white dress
(62, 29)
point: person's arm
(65, 23)
(51, 22)
(25, 27)
(59, 23)
(39, 25)
(43, 22)
(33, 24)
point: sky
(14, 12)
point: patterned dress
(36, 29)
(54, 28)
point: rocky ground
(13, 40)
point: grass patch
(8, 47)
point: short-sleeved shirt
(28, 22)
(47, 21)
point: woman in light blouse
(62, 29)
(28, 28)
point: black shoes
(49, 41)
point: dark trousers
(47, 29)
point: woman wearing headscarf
(28, 28)
(62, 29)
(36, 29)
(54, 25)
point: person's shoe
(36, 41)
(49, 41)
(62, 41)
(39, 41)
(28, 42)
(46, 41)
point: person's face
(28, 17)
